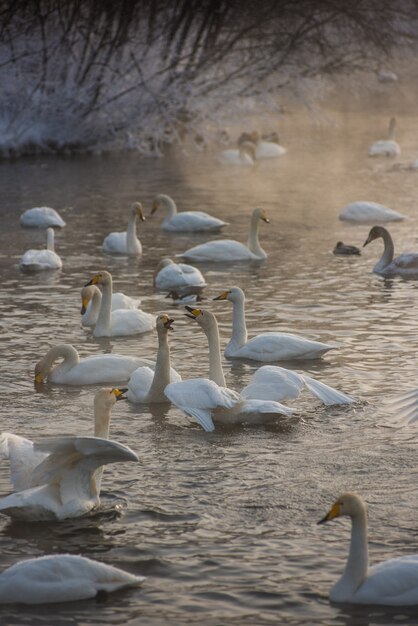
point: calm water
(224, 524)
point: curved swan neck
(358, 559)
(215, 360)
(170, 206)
(50, 239)
(253, 242)
(95, 303)
(103, 324)
(392, 129)
(162, 368)
(388, 252)
(131, 238)
(239, 327)
(65, 351)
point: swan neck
(162, 369)
(215, 360)
(392, 129)
(358, 558)
(67, 352)
(388, 251)
(103, 324)
(171, 207)
(239, 327)
(131, 237)
(101, 429)
(50, 239)
(253, 242)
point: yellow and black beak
(84, 305)
(335, 511)
(118, 393)
(139, 212)
(39, 378)
(94, 280)
(223, 296)
(193, 313)
(168, 323)
(265, 219)
(154, 207)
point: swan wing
(22, 457)
(276, 346)
(139, 384)
(365, 211)
(263, 408)
(272, 382)
(115, 243)
(406, 407)
(219, 250)
(177, 276)
(41, 217)
(37, 260)
(392, 583)
(103, 368)
(61, 578)
(407, 261)
(192, 221)
(327, 395)
(199, 397)
(122, 301)
(131, 322)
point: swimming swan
(405, 265)
(222, 250)
(121, 322)
(126, 242)
(61, 578)
(39, 260)
(60, 477)
(41, 217)
(179, 277)
(386, 147)
(98, 368)
(245, 154)
(91, 298)
(264, 149)
(269, 346)
(146, 385)
(209, 401)
(186, 221)
(390, 583)
(363, 211)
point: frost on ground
(138, 74)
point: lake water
(224, 524)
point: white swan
(269, 346)
(41, 217)
(60, 477)
(386, 147)
(222, 250)
(209, 401)
(264, 149)
(363, 211)
(245, 154)
(179, 277)
(126, 242)
(61, 578)
(39, 260)
(121, 322)
(390, 583)
(91, 298)
(146, 385)
(98, 368)
(186, 221)
(405, 264)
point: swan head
(164, 323)
(248, 147)
(160, 200)
(106, 397)
(42, 370)
(136, 209)
(261, 215)
(205, 319)
(350, 504)
(101, 278)
(87, 294)
(375, 233)
(235, 294)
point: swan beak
(96, 278)
(84, 304)
(266, 220)
(118, 393)
(39, 378)
(193, 313)
(168, 323)
(334, 511)
(222, 296)
(139, 212)
(368, 240)
(154, 207)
